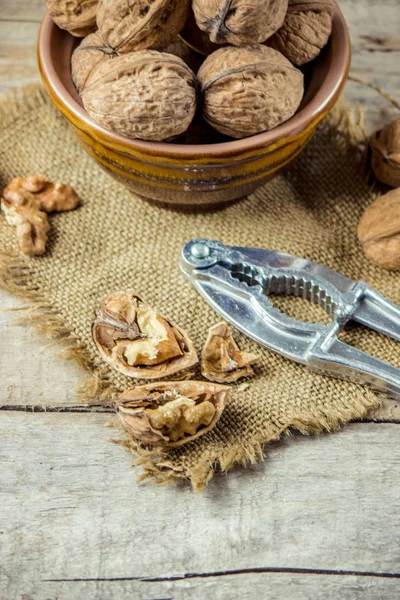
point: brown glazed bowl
(195, 174)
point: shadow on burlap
(115, 241)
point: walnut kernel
(385, 157)
(171, 413)
(139, 342)
(76, 16)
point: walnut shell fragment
(139, 342)
(146, 94)
(249, 90)
(129, 25)
(222, 360)
(25, 202)
(239, 22)
(385, 157)
(305, 30)
(76, 16)
(90, 52)
(171, 413)
(379, 231)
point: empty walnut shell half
(379, 231)
(129, 25)
(139, 342)
(249, 90)
(76, 16)
(305, 30)
(385, 157)
(239, 22)
(171, 413)
(222, 360)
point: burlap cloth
(116, 241)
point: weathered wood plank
(71, 508)
(18, 54)
(21, 10)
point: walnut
(379, 231)
(180, 49)
(86, 57)
(139, 342)
(76, 16)
(239, 22)
(171, 413)
(128, 25)
(221, 359)
(249, 90)
(305, 31)
(146, 94)
(195, 38)
(385, 156)
(25, 203)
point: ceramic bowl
(192, 174)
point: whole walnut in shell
(128, 25)
(171, 413)
(139, 342)
(76, 16)
(239, 22)
(379, 231)
(146, 94)
(249, 90)
(385, 156)
(305, 30)
(90, 52)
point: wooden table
(319, 519)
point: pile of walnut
(136, 77)
(379, 227)
(139, 342)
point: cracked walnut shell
(146, 94)
(379, 231)
(139, 342)
(129, 25)
(239, 22)
(171, 413)
(385, 154)
(249, 90)
(25, 202)
(76, 16)
(222, 360)
(305, 30)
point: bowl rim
(315, 110)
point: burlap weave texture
(114, 241)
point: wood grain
(71, 510)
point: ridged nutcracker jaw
(236, 282)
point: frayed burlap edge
(14, 278)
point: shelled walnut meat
(379, 231)
(239, 22)
(139, 342)
(222, 360)
(146, 94)
(305, 30)
(248, 90)
(385, 154)
(25, 202)
(90, 52)
(76, 16)
(129, 25)
(171, 413)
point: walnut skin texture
(385, 154)
(171, 413)
(76, 16)
(25, 203)
(221, 359)
(146, 94)
(379, 231)
(129, 25)
(248, 90)
(239, 22)
(86, 57)
(305, 31)
(139, 342)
